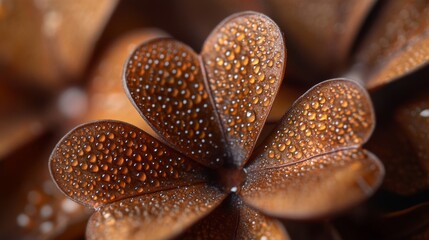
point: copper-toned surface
(61, 21)
(236, 221)
(18, 130)
(142, 188)
(333, 115)
(50, 41)
(322, 31)
(405, 174)
(398, 42)
(103, 162)
(413, 118)
(165, 81)
(157, 215)
(32, 206)
(106, 98)
(244, 58)
(256, 225)
(316, 187)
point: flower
(209, 110)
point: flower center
(230, 179)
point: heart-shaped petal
(316, 187)
(158, 215)
(165, 81)
(244, 58)
(333, 115)
(102, 162)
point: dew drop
(250, 116)
(281, 147)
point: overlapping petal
(333, 115)
(236, 221)
(316, 187)
(244, 58)
(314, 155)
(157, 215)
(165, 81)
(103, 162)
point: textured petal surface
(316, 187)
(106, 96)
(333, 115)
(166, 83)
(254, 225)
(234, 220)
(398, 42)
(158, 215)
(244, 58)
(102, 162)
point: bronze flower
(209, 110)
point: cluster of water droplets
(155, 215)
(244, 61)
(166, 83)
(331, 116)
(107, 161)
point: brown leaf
(244, 58)
(323, 31)
(397, 44)
(50, 41)
(333, 115)
(405, 174)
(157, 215)
(106, 97)
(165, 81)
(413, 118)
(235, 220)
(103, 162)
(61, 20)
(316, 187)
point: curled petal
(236, 221)
(310, 25)
(397, 44)
(244, 58)
(316, 187)
(333, 115)
(103, 162)
(157, 215)
(165, 81)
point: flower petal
(244, 58)
(165, 82)
(316, 187)
(103, 162)
(397, 44)
(236, 221)
(106, 98)
(157, 215)
(333, 115)
(310, 25)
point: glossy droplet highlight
(250, 116)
